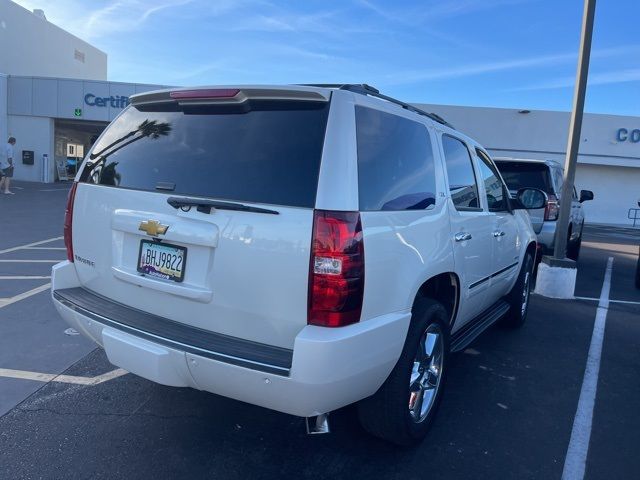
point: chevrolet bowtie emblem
(153, 228)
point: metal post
(574, 129)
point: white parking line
(44, 248)
(628, 302)
(23, 277)
(576, 459)
(20, 247)
(8, 301)
(51, 377)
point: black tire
(386, 414)
(518, 297)
(573, 249)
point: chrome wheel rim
(426, 373)
(525, 294)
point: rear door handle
(462, 236)
(498, 233)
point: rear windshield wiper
(205, 206)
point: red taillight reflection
(205, 93)
(552, 209)
(336, 276)
(68, 222)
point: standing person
(6, 165)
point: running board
(467, 334)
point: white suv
(300, 248)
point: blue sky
(502, 53)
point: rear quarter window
(269, 153)
(396, 168)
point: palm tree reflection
(107, 175)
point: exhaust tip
(318, 425)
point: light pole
(575, 127)
(557, 274)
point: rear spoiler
(227, 96)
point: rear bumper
(546, 236)
(327, 368)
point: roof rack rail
(364, 89)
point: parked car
(300, 248)
(548, 176)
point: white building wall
(36, 134)
(30, 45)
(616, 190)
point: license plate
(162, 260)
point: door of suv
(506, 243)
(471, 229)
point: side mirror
(530, 199)
(586, 195)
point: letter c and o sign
(624, 135)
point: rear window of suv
(269, 154)
(519, 175)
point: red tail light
(336, 276)
(552, 209)
(68, 222)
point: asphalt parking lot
(508, 409)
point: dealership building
(54, 95)
(55, 99)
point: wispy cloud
(86, 21)
(467, 70)
(293, 57)
(600, 78)
(280, 20)
(429, 17)
(434, 9)
(124, 15)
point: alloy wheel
(426, 373)
(525, 294)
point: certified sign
(117, 101)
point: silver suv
(548, 176)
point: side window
(462, 179)
(559, 180)
(396, 168)
(495, 190)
